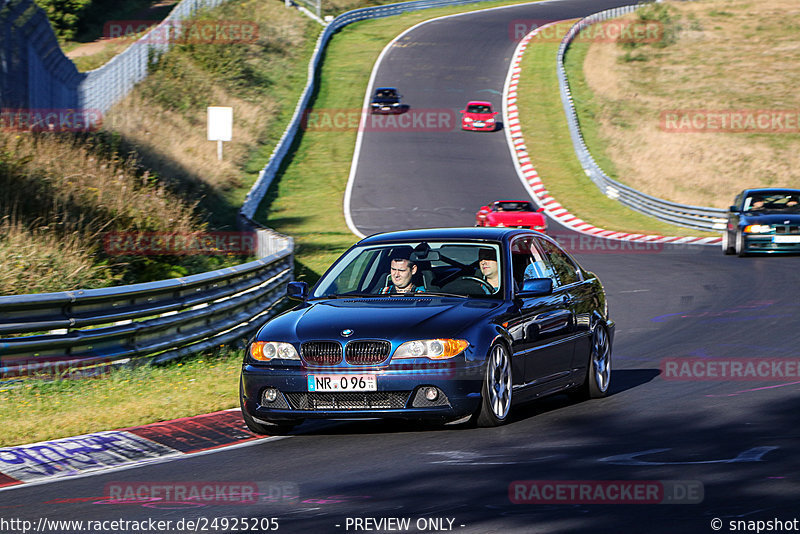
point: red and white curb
(128, 447)
(530, 178)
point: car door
(542, 330)
(580, 294)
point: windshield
(779, 201)
(417, 268)
(513, 206)
(479, 108)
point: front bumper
(487, 127)
(388, 109)
(399, 394)
(766, 244)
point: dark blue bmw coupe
(437, 324)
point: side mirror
(733, 209)
(540, 210)
(297, 291)
(463, 111)
(495, 113)
(536, 287)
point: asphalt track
(737, 438)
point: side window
(565, 272)
(527, 261)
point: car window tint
(565, 272)
(528, 262)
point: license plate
(480, 124)
(786, 239)
(346, 383)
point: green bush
(64, 15)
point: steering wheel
(481, 281)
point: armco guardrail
(160, 320)
(267, 174)
(691, 216)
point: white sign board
(220, 123)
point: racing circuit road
(736, 438)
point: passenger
(537, 268)
(401, 273)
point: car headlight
(757, 229)
(501, 225)
(434, 349)
(467, 119)
(489, 120)
(265, 351)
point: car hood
(385, 100)
(393, 318)
(770, 218)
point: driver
(401, 272)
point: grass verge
(662, 115)
(33, 410)
(547, 138)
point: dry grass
(729, 55)
(175, 143)
(45, 262)
(76, 186)
(164, 118)
(58, 196)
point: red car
(478, 116)
(512, 214)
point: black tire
(496, 390)
(598, 372)
(740, 251)
(727, 248)
(272, 429)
